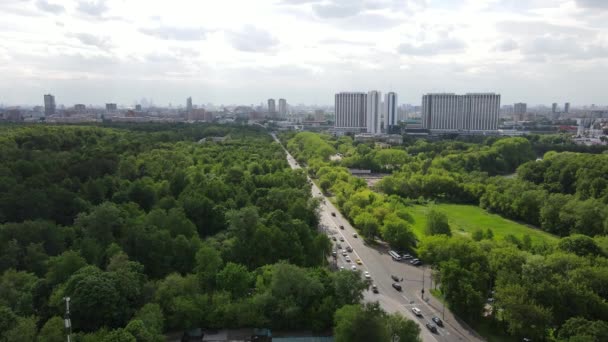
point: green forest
(154, 228)
(539, 289)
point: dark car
(333, 214)
(349, 249)
(432, 327)
(397, 286)
(437, 321)
(394, 277)
(333, 238)
(341, 227)
(374, 288)
(334, 254)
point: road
(381, 266)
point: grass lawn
(464, 219)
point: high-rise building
(469, 112)
(111, 107)
(189, 104)
(390, 111)
(373, 112)
(350, 110)
(138, 108)
(554, 108)
(282, 108)
(49, 104)
(519, 111)
(80, 107)
(272, 107)
(567, 107)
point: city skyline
(100, 51)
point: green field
(464, 219)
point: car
(344, 254)
(359, 262)
(416, 262)
(374, 288)
(353, 267)
(394, 277)
(342, 227)
(397, 286)
(341, 268)
(333, 214)
(417, 311)
(367, 275)
(334, 254)
(432, 327)
(347, 258)
(437, 321)
(341, 239)
(406, 257)
(355, 235)
(334, 238)
(339, 246)
(349, 249)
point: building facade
(49, 104)
(519, 111)
(470, 112)
(390, 111)
(282, 108)
(189, 104)
(272, 107)
(373, 112)
(350, 110)
(111, 107)
(567, 107)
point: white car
(417, 311)
(353, 267)
(347, 258)
(341, 268)
(367, 275)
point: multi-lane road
(381, 266)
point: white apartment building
(470, 112)
(350, 110)
(390, 111)
(373, 112)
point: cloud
(49, 7)
(102, 43)
(444, 46)
(338, 9)
(592, 3)
(93, 8)
(176, 33)
(507, 45)
(251, 39)
(336, 41)
(535, 27)
(564, 48)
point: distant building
(350, 110)
(49, 104)
(272, 107)
(390, 112)
(138, 108)
(567, 107)
(554, 108)
(470, 112)
(319, 115)
(111, 107)
(80, 107)
(189, 105)
(519, 111)
(282, 108)
(373, 111)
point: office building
(470, 112)
(554, 108)
(567, 107)
(272, 107)
(519, 111)
(80, 107)
(189, 105)
(111, 107)
(49, 104)
(138, 108)
(282, 108)
(390, 112)
(350, 110)
(373, 112)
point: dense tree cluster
(148, 228)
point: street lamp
(66, 318)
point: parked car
(347, 258)
(416, 262)
(333, 214)
(406, 256)
(341, 227)
(349, 249)
(397, 286)
(367, 275)
(334, 238)
(334, 254)
(437, 321)
(341, 239)
(355, 235)
(339, 246)
(374, 288)
(417, 311)
(432, 327)
(344, 253)
(394, 277)
(353, 267)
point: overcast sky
(245, 51)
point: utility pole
(66, 318)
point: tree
(580, 245)
(437, 223)
(16, 288)
(208, 264)
(367, 224)
(52, 331)
(61, 267)
(235, 279)
(348, 287)
(477, 234)
(578, 328)
(360, 323)
(523, 316)
(152, 317)
(119, 335)
(406, 330)
(460, 288)
(397, 232)
(24, 330)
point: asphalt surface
(381, 266)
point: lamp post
(66, 318)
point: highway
(381, 266)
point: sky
(246, 51)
